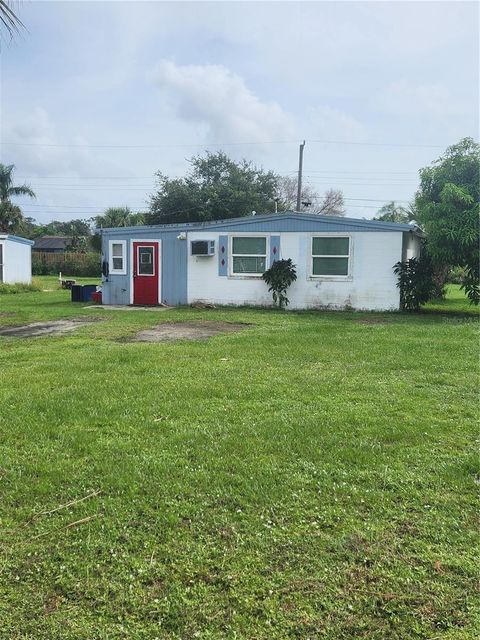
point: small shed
(15, 259)
(341, 262)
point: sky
(96, 97)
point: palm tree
(9, 19)
(11, 216)
(119, 217)
(393, 212)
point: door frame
(159, 266)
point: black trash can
(77, 293)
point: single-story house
(340, 262)
(15, 259)
(52, 244)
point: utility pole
(300, 169)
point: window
(145, 261)
(249, 255)
(330, 256)
(117, 257)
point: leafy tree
(11, 217)
(392, 212)
(28, 227)
(215, 188)
(279, 277)
(448, 208)
(72, 228)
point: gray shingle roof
(52, 242)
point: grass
(313, 476)
(17, 287)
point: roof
(12, 238)
(52, 242)
(303, 220)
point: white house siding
(17, 261)
(371, 285)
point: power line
(152, 176)
(220, 144)
(85, 177)
(66, 206)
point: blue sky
(98, 96)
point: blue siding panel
(116, 288)
(274, 249)
(223, 255)
(174, 269)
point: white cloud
(219, 100)
(40, 150)
(333, 124)
(404, 97)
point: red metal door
(145, 273)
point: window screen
(330, 256)
(249, 255)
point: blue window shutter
(274, 249)
(223, 255)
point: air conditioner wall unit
(202, 247)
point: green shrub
(280, 276)
(415, 281)
(72, 264)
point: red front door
(145, 273)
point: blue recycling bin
(87, 291)
(83, 292)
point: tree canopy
(216, 187)
(448, 208)
(11, 217)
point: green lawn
(311, 477)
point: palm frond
(23, 190)
(9, 19)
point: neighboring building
(340, 262)
(15, 259)
(52, 244)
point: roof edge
(243, 220)
(9, 236)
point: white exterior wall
(17, 262)
(371, 284)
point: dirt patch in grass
(37, 329)
(169, 332)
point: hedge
(70, 264)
